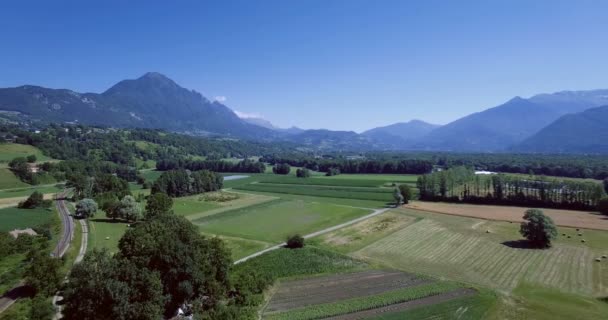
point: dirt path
(84, 241)
(563, 218)
(459, 293)
(317, 233)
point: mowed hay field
(459, 248)
(564, 218)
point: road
(68, 226)
(317, 233)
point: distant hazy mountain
(584, 132)
(402, 132)
(506, 125)
(268, 125)
(334, 140)
(151, 101)
(292, 130)
(260, 122)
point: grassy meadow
(10, 151)
(274, 221)
(15, 218)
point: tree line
(244, 166)
(411, 166)
(463, 185)
(180, 182)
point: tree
(179, 183)
(406, 193)
(86, 208)
(606, 185)
(191, 266)
(112, 209)
(332, 172)
(21, 169)
(43, 274)
(303, 173)
(31, 158)
(158, 204)
(281, 168)
(36, 199)
(602, 206)
(538, 228)
(129, 209)
(295, 242)
(41, 309)
(103, 287)
(398, 197)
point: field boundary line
(317, 233)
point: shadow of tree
(521, 244)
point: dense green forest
(407, 166)
(574, 166)
(180, 183)
(246, 165)
(460, 184)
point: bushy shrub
(281, 168)
(295, 242)
(303, 173)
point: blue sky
(346, 65)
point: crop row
(364, 303)
(337, 192)
(466, 308)
(285, 263)
(335, 288)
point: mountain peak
(156, 78)
(155, 75)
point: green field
(15, 218)
(25, 192)
(191, 205)
(151, 175)
(9, 151)
(240, 248)
(105, 233)
(9, 180)
(376, 194)
(402, 178)
(274, 221)
(285, 263)
(321, 181)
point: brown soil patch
(385, 223)
(564, 218)
(327, 289)
(459, 293)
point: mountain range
(562, 122)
